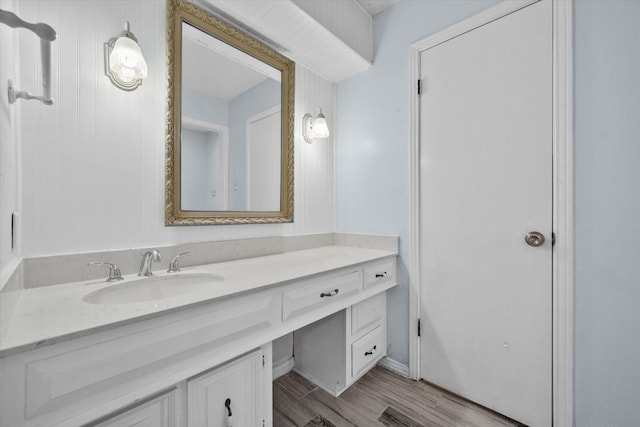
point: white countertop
(51, 314)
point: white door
(485, 182)
(263, 161)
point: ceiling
(376, 6)
(213, 67)
(333, 38)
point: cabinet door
(228, 396)
(156, 412)
(367, 314)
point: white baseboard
(283, 368)
(394, 366)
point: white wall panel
(93, 163)
(314, 189)
(9, 149)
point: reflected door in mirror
(263, 161)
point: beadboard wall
(93, 163)
(8, 145)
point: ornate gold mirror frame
(179, 12)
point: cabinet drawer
(306, 296)
(366, 351)
(367, 314)
(379, 273)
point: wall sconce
(123, 61)
(314, 127)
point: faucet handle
(173, 265)
(114, 271)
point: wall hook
(46, 35)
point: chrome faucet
(147, 259)
(173, 265)
(114, 271)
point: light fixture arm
(126, 33)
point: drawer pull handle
(329, 294)
(227, 404)
(381, 274)
(373, 350)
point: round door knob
(534, 238)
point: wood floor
(380, 398)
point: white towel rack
(47, 35)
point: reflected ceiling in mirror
(229, 124)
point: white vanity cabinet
(330, 356)
(178, 367)
(233, 395)
(158, 411)
(368, 337)
(236, 393)
(337, 350)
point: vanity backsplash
(56, 269)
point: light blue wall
(372, 140)
(200, 152)
(373, 179)
(201, 106)
(607, 213)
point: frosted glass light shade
(314, 127)
(320, 127)
(124, 63)
(126, 60)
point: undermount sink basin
(152, 288)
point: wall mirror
(230, 106)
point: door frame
(223, 162)
(562, 215)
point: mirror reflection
(230, 127)
(229, 124)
